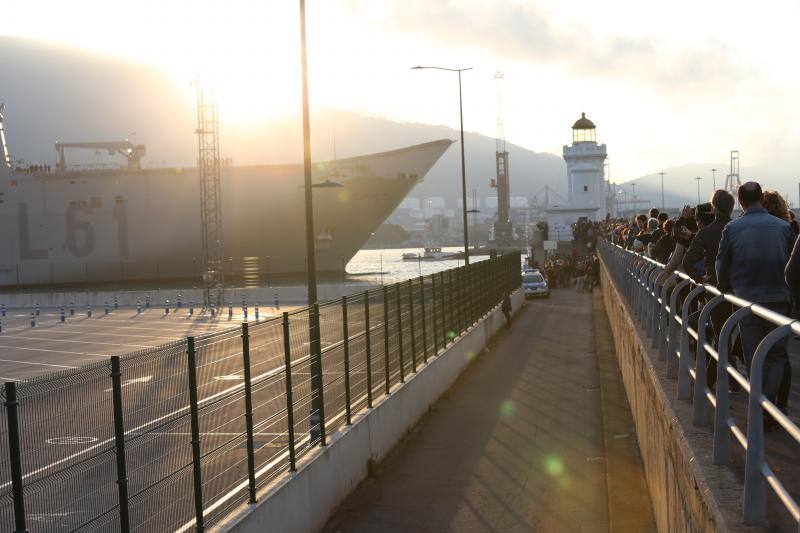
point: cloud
(524, 33)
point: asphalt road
(69, 464)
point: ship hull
(120, 226)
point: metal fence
(175, 437)
(667, 305)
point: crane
(503, 229)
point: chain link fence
(174, 438)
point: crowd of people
(755, 256)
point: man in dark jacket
(704, 247)
(706, 242)
(753, 252)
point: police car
(534, 284)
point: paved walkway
(535, 436)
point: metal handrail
(653, 296)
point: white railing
(654, 295)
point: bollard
(138, 307)
(33, 320)
(166, 306)
(179, 300)
(256, 312)
(147, 301)
(230, 311)
(116, 302)
(106, 307)
(191, 308)
(89, 310)
(63, 318)
(72, 309)
(37, 308)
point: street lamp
(663, 205)
(316, 414)
(463, 169)
(714, 178)
(698, 178)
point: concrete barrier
(688, 492)
(304, 500)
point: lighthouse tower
(586, 183)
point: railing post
(442, 309)
(287, 361)
(195, 421)
(655, 310)
(434, 316)
(663, 326)
(450, 289)
(755, 485)
(398, 306)
(317, 415)
(15, 457)
(387, 378)
(368, 347)
(413, 332)
(673, 337)
(346, 346)
(684, 360)
(248, 413)
(699, 401)
(424, 326)
(721, 454)
(119, 444)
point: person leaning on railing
(753, 252)
(704, 248)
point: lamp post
(463, 169)
(714, 178)
(663, 205)
(316, 414)
(698, 178)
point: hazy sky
(667, 83)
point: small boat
(431, 254)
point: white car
(534, 284)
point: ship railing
(675, 313)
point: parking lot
(51, 345)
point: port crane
(132, 152)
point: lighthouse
(586, 181)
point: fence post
(346, 345)
(368, 349)
(248, 412)
(15, 457)
(442, 308)
(399, 314)
(424, 326)
(317, 415)
(119, 444)
(386, 337)
(451, 290)
(287, 361)
(193, 411)
(413, 335)
(434, 316)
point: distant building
(586, 182)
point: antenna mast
(732, 182)
(503, 230)
(210, 197)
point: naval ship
(133, 225)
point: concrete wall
(687, 491)
(303, 501)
